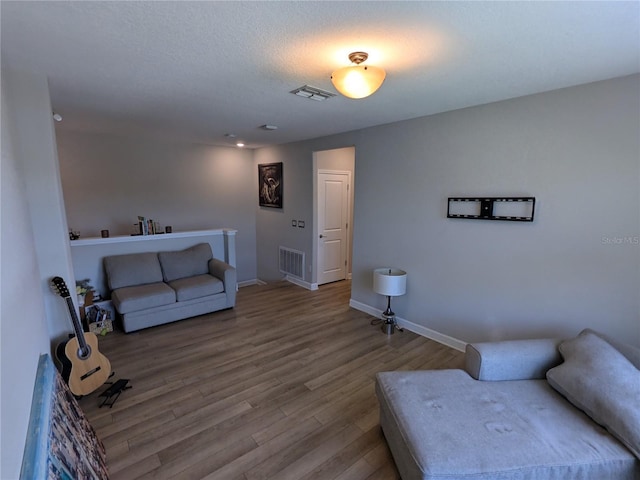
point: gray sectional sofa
(154, 288)
(530, 409)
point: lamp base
(389, 328)
(389, 325)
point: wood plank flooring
(281, 387)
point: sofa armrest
(227, 274)
(512, 360)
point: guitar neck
(76, 324)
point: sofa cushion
(196, 287)
(140, 297)
(443, 425)
(185, 263)
(603, 383)
(132, 269)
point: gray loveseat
(153, 288)
(530, 409)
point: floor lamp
(391, 282)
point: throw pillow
(632, 353)
(601, 382)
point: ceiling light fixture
(240, 144)
(358, 81)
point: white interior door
(333, 218)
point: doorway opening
(333, 178)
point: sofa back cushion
(132, 269)
(512, 359)
(185, 263)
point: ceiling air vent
(312, 93)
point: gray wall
(577, 265)
(108, 181)
(576, 150)
(25, 322)
(35, 144)
(273, 226)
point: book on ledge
(147, 226)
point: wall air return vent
(291, 262)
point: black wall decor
(514, 209)
(270, 184)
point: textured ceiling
(194, 71)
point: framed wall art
(270, 185)
(60, 441)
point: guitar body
(87, 374)
(84, 368)
(64, 361)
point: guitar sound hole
(83, 355)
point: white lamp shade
(389, 281)
(358, 81)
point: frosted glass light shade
(358, 81)
(391, 282)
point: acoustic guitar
(84, 368)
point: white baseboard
(452, 342)
(301, 283)
(363, 307)
(413, 327)
(297, 281)
(247, 283)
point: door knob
(321, 236)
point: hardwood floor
(281, 387)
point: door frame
(351, 196)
